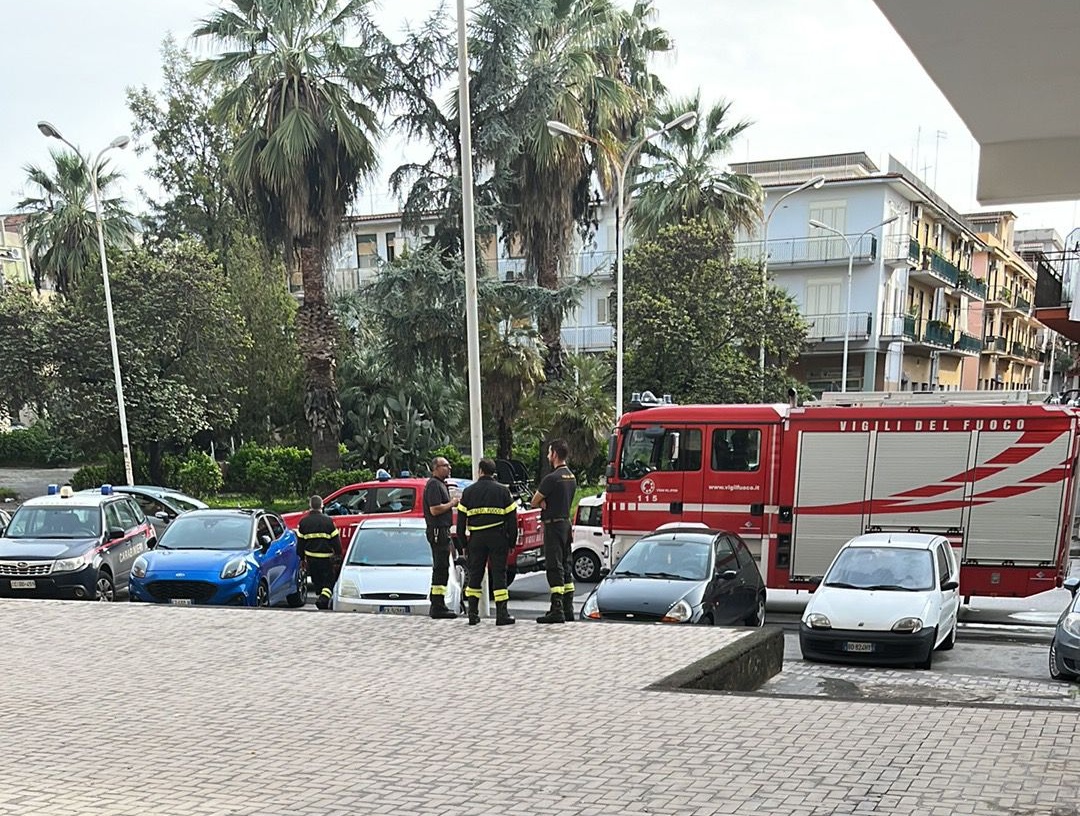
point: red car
(403, 496)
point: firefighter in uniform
(488, 513)
(438, 517)
(556, 496)
(321, 546)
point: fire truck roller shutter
(830, 486)
(920, 480)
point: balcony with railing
(939, 333)
(1018, 350)
(968, 343)
(833, 326)
(1023, 304)
(999, 295)
(588, 338)
(816, 250)
(972, 285)
(995, 345)
(902, 250)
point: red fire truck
(796, 483)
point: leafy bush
(36, 446)
(460, 464)
(327, 481)
(267, 480)
(94, 476)
(199, 475)
(7, 493)
(252, 465)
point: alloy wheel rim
(585, 568)
(105, 589)
(1053, 658)
(761, 612)
(262, 596)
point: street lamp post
(621, 164)
(816, 182)
(119, 143)
(851, 245)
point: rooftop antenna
(938, 136)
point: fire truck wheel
(757, 617)
(929, 662)
(586, 566)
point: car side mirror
(115, 533)
(1072, 583)
(948, 586)
(151, 544)
(264, 542)
(164, 516)
(604, 572)
(727, 575)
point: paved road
(118, 709)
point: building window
(367, 251)
(391, 247)
(602, 316)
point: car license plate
(393, 610)
(858, 647)
(24, 584)
(182, 602)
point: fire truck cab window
(736, 449)
(666, 450)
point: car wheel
(106, 589)
(1057, 673)
(262, 594)
(706, 619)
(929, 662)
(298, 598)
(586, 566)
(757, 617)
(950, 641)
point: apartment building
(14, 257)
(368, 241)
(912, 283)
(1012, 355)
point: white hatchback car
(590, 548)
(886, 598)
(387, 570)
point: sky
(814, 77)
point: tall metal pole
(124, 444)
(619, 243)
(847, 315)
(764, 296)
(468, 227)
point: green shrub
(326, 482)
(94, 476)
(249, 465)
(199, 475)
(7, 493)
(36, 446)
(460, 464)
(266, 480)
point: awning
(1057, 319)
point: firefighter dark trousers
(439, 539)
(488, 549)
(322, 574)
(558, 537)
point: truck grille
(25, 567)
(171, 590)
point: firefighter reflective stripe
(495, 511)
(310, 554)
(438, 590)
(568, 589)
(327, 592)
(557, 590)
(306, 536)
(473, 593)
(473, 529)
(502, 595)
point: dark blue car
(222, 558)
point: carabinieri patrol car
(72, 545)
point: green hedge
(36, 446)
(267, 471)
(327, 481)
(199, 475)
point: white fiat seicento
(887, 598)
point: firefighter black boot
(439, 609)
(502, 614)
(553, 615)
(568, 606)
(474, 611)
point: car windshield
(888, 568)
(55, 522)
(194, 531)
(393, 547)
(682, 558)
(182, 502)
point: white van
(590, 548)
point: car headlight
(679, 613)
(1071, 624)
(73, 564)
(347, 589)
(138, 569)
(815, 620)
(235, 567)
(591, 608)
(910, 625)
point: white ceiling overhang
(1011, 70)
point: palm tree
(60, 226)
(306, 104)
(583, 411)
(683, 180)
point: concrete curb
(741, 666)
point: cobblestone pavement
(129, 709)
